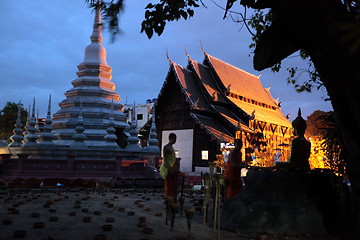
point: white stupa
(89, 136)
(95, 91)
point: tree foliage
(158, 14)
(111, 11)
(314, 126)
(259, 22)
(8, 117)
(333, 144)
(322, 125)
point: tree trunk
(330, 35)
(342, 81)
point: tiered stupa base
(71, 163)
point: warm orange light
(220, 163)
(318, 155)
(262, 159)
(4, 150)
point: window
(139, 117)
(205, 155)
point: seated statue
(299, 149)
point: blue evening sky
(42, 42)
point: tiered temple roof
(224, 98)
(246, 91)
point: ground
(45, 215)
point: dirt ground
(81, 215)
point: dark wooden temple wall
(202, 141)
(172, 110)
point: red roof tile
(203, 73)
(240, 82)
(191, 88)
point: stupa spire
(133, 139)
(31, 137)
(153, 142)
(79, 136)
(49, 108)
(37, 125)
(18, 132)
(96, 36)
(46, 137)
(27, 120)
(110, 137)
(33, 109)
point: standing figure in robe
(233, 170)
(169, 170)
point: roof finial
(186, 53)
(167, 56)
(96, 36)
(202, 47)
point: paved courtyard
(118, 215)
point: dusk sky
(43, 41)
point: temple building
(89, 137)
(210, 104)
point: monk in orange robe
(233, 171)
(169, 170)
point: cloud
(43, 42)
